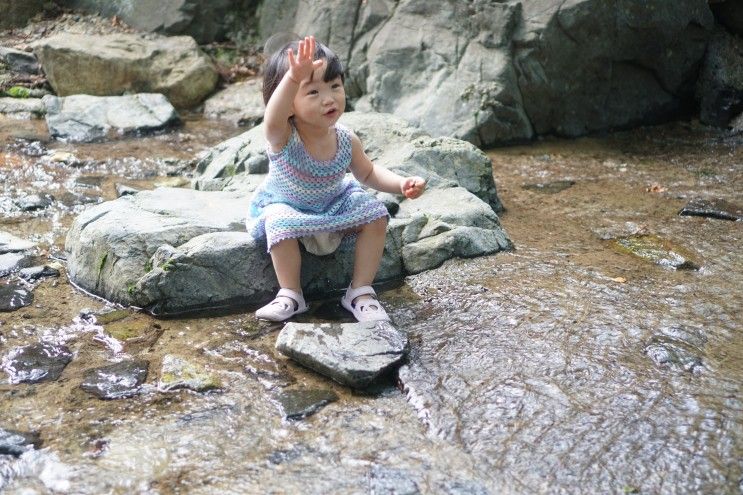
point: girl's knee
(378, 226)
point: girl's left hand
(412, 187)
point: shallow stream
(565, 366)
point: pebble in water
(36, 362)
(179, 373)
(116, 381)
(11, 262)
(14, 296)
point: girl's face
(319, 103)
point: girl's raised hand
(302, 65)
(412, 187)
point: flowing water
(565, 366)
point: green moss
(18, 92)
(167, 265)
(102, 263)
(148, 266)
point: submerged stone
(14, 296)
(383, 479)
(36, 362)
(178, 373)
(116, 381)
(550, 187)
(299, 404)
(354, 354)
(15, 443)
(659, 251)
(712, 208)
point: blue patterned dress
(302, 196)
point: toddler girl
(307, 194)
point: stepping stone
(712, 208)
(116, 381)
(15, 443)
(354, 354)
(14, 296)
(36, 362)
(299, 404)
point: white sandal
(280, 309)
(365, 309)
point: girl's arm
(279, 107)
(380, 178)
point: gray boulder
(240, 103)
(109, 246)
(353, 354)
(388, 141)
(175, 251)
(109, 65)
(495, 72)
(83, 118)
(720, 86)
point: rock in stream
(36, 362)
(354, 354)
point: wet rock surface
(16, 443)
(713, 208)
(301, 403)
(353, 354)
(116, 381)
(36, 362)
(14, 296)
(84, 118)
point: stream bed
(564, 366)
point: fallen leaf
(656, 188)
(621, 280)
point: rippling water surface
(564, 366)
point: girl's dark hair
(278, 65)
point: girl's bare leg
(368, 255)
(286, 263)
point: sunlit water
(561, 367)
